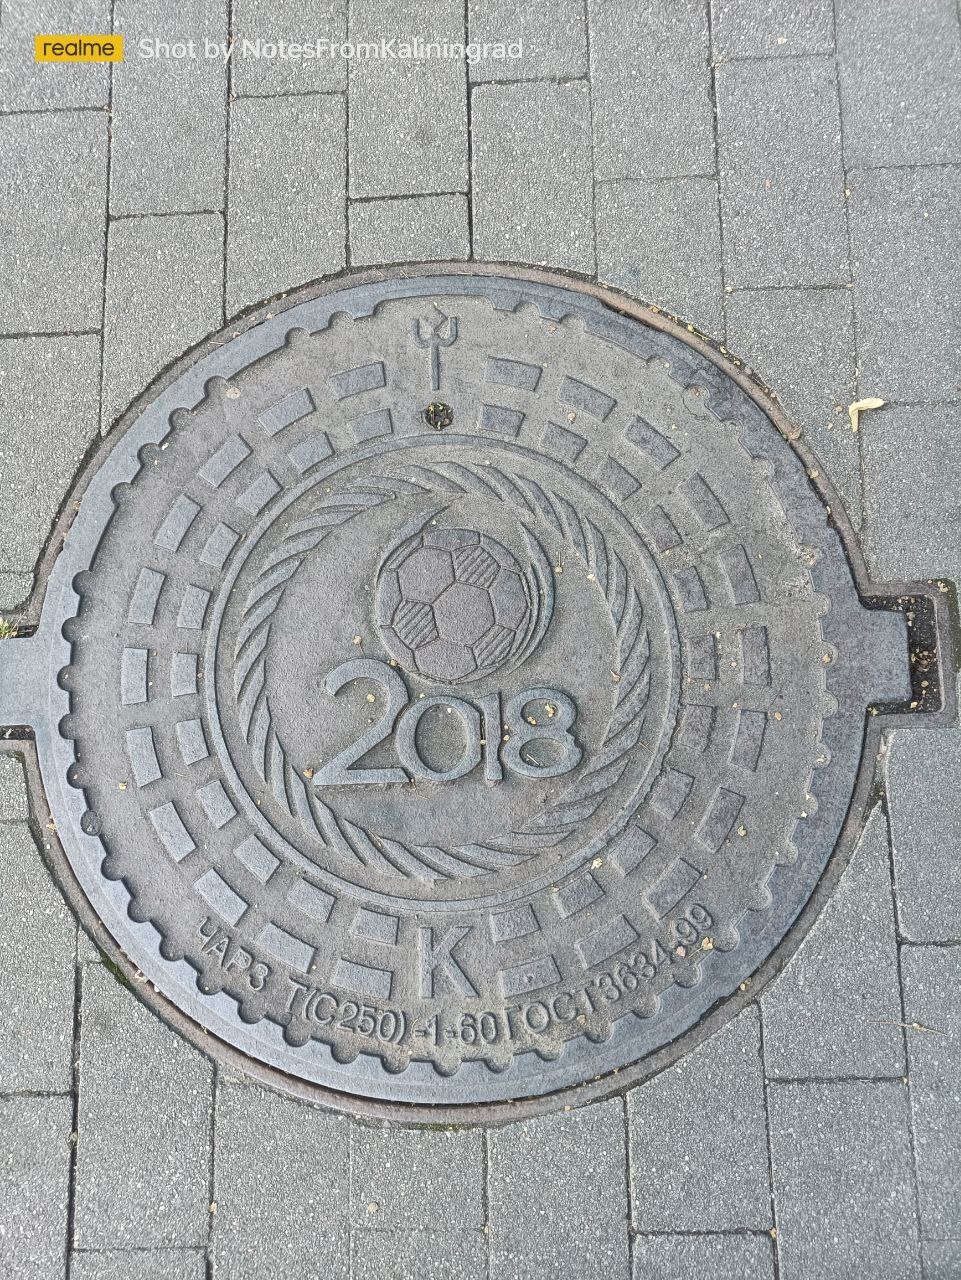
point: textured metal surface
(451, 758)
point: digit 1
(490, 708)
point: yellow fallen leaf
(855, 409)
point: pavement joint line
(410, 195)
(715, 137)
(911, 942)
(626, 1128)
(288, 93)
(916, 1188)
(167, 213)
(765, 1083)
(899, 1082)
(590, 124)
(55, 111)
(655, 179)
(75, 1093)
(52, 333)
(103, 299)
(773, 57)
(207, 1250)
(469, 86)
(347, 202)
(228, 99)
(36, 1093)
(736, 1233)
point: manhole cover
(450, 689)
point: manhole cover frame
(932, 601)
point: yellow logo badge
(77, 48)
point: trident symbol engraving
(428, 334)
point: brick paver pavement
(786, 177)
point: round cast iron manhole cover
(450, 689)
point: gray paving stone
(651, 89)
(419, 1255)
(553, 33)
(800, 342)
(912, 491)
(907, 282)
(14, 589)
(13, 789)
(932, 998)
(740, 1257)
(553, 221)
(168, 130)
(164, 293)
(575, 1159)
(900, 73)
(34, 1174)
(281, 1185)
(843, 1181)
(144, 1264)
(924, 796)
(782, 186)
(416, 1178)
(410, 229)
(771, 29)
(836, 1010)
(280, 234)
(662, 242)
(48, 420)
(560, 1252)
(294, 22)
(558, 1197)
(941, 1259)
(37, 974)
(408, 117)
(28, 85)
(698, 1139)
(52, 207)
(143, 1152)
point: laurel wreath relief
(553, 824)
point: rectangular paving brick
(281, 1184)
(843, 1181)
(13, 789)
(553, 34)
(912, 474)
(941, 1259)
(836, 1009)
(661, 241)
(168, 129)
(267, 24)
(560, 1251)
(651, 85)
(553, 223)
(408, 116)
(164, 293)
(557, 1196)
(34, 1175)
(734, 1257)
(46, 428)
(782, 185)
(28, 85)
(900, 73)
(907, 284)
(415, 1255)
(417, 1179)
(37, 975)
(52, 207)
(778, 29)
(800, 343)
(143, 1154)
(924, 795)
(715, 1097)
(281, 233)
(409, 229)
(14, 589)
(932, 999)
(141, 1264)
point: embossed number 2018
(481, 724)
